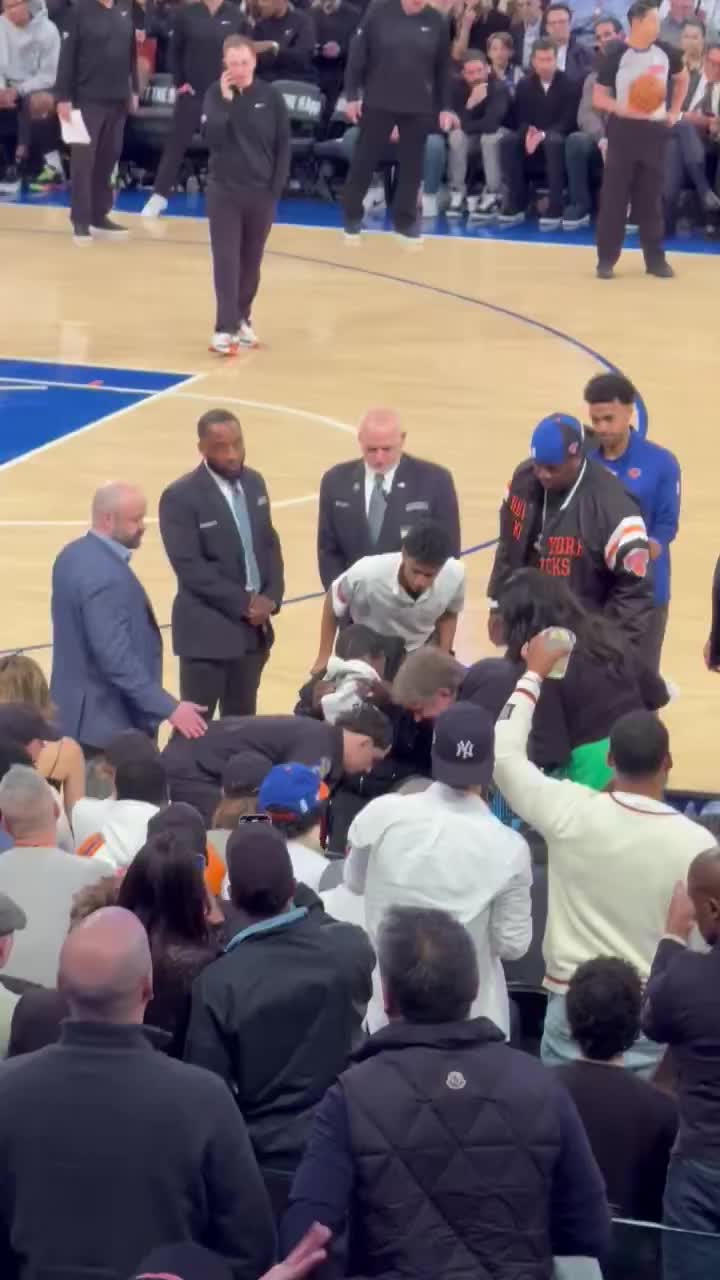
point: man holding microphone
(248, 135)
(398, 76)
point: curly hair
(603, 1007)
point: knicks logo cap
(555, 439)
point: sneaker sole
(352, 242)
(229, 351)
(576, 226)
(97, 233)
(82, 242)
(411, 244)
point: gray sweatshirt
(589, 120)
(29, 55)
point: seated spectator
(40, 877)
(613, 858)
(12, 921)
(244, 748)
(573, 57)
(527, 30)
(500, 50)
(334, 23)
(10, 753)
(693, 138)
(671, 27)
(353, 675)
(187, 822)
(604, 679)
(481, 103)
(631, 1124)
(546, 112)
(441, 1148)
(101, 1120)
(477, 21)
(586, 146)
(682, 1011)
(284, 40)
(409, 595)
(29, 54)
(294, 798)
(23, 725)
(443, 848)
(128, 747)
(277, 1015)
(61, 762)
(141, 789)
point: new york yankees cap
(462, 750)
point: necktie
(376, 509)
(242, 520)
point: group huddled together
(419, 977)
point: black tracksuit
(295, 36)
(399, 64)
(555, 112)
(196, 60)
(97, 72)
(333, 26)
(249, 143)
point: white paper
(74, 131)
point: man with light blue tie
(216, 526)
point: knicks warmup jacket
(596, 540)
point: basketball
(646, 94)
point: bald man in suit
(368, 505)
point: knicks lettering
(555, 566)
(518, 507)
(565, 547)
(517, 529)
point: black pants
(654, 636)
(634, 174)
(92, 165)
(684, 162)
(515, 164)
(375, 129)
(240, 223)
(233, 684)
(185, 122)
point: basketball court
(105, 371)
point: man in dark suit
(107, 648)
(366, 507)
(218, 533)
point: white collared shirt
(370, 592)
(443, 848)
(226, 489)
(388, 479)
(561, 52)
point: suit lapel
(217, 503)
(396, 502)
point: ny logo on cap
(465, 749)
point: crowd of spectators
(523, 136)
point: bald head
(105, 968)
(704, 889)
(118, 512)
(381, 439)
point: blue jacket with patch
(652, 475)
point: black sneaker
(410, 237)
(574, 217)
(107, 230)
(352, 232)
(81, 234)
(604, 271)
(661, 269)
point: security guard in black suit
(218, 534)
(366, 507)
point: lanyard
(563, 505)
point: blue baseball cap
(555, 439)
(293, 789)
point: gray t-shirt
(622, 65)
(43, 882)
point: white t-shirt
(370, 592)
(444, 848)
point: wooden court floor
(471, 341)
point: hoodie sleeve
(65, 83)
(48, 45)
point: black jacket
(197, 42)
(241, 749)
(682, 1009)
(334, 27)
(400, 62)
(277, 1017)
(112, 1149)
(295, 36)
(597, 543)
(248, 139)
(489, 115)
(98, 57)
(204, 548)
(420, 490)
(554, 111)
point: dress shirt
(388, 480)
(530, 35)
(562, 52)
(122, 553)
(370, 592)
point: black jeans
(232, 684)
(375, 129)
(634, 174)
(515, 164)
(240, 223)
(185, 122)
(91, 166)
(581, 154)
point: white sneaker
(154, 207)
(429, 206)
(375, 201)
(246, 336)
(224, 344)
(455, 207)
(488, 202)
